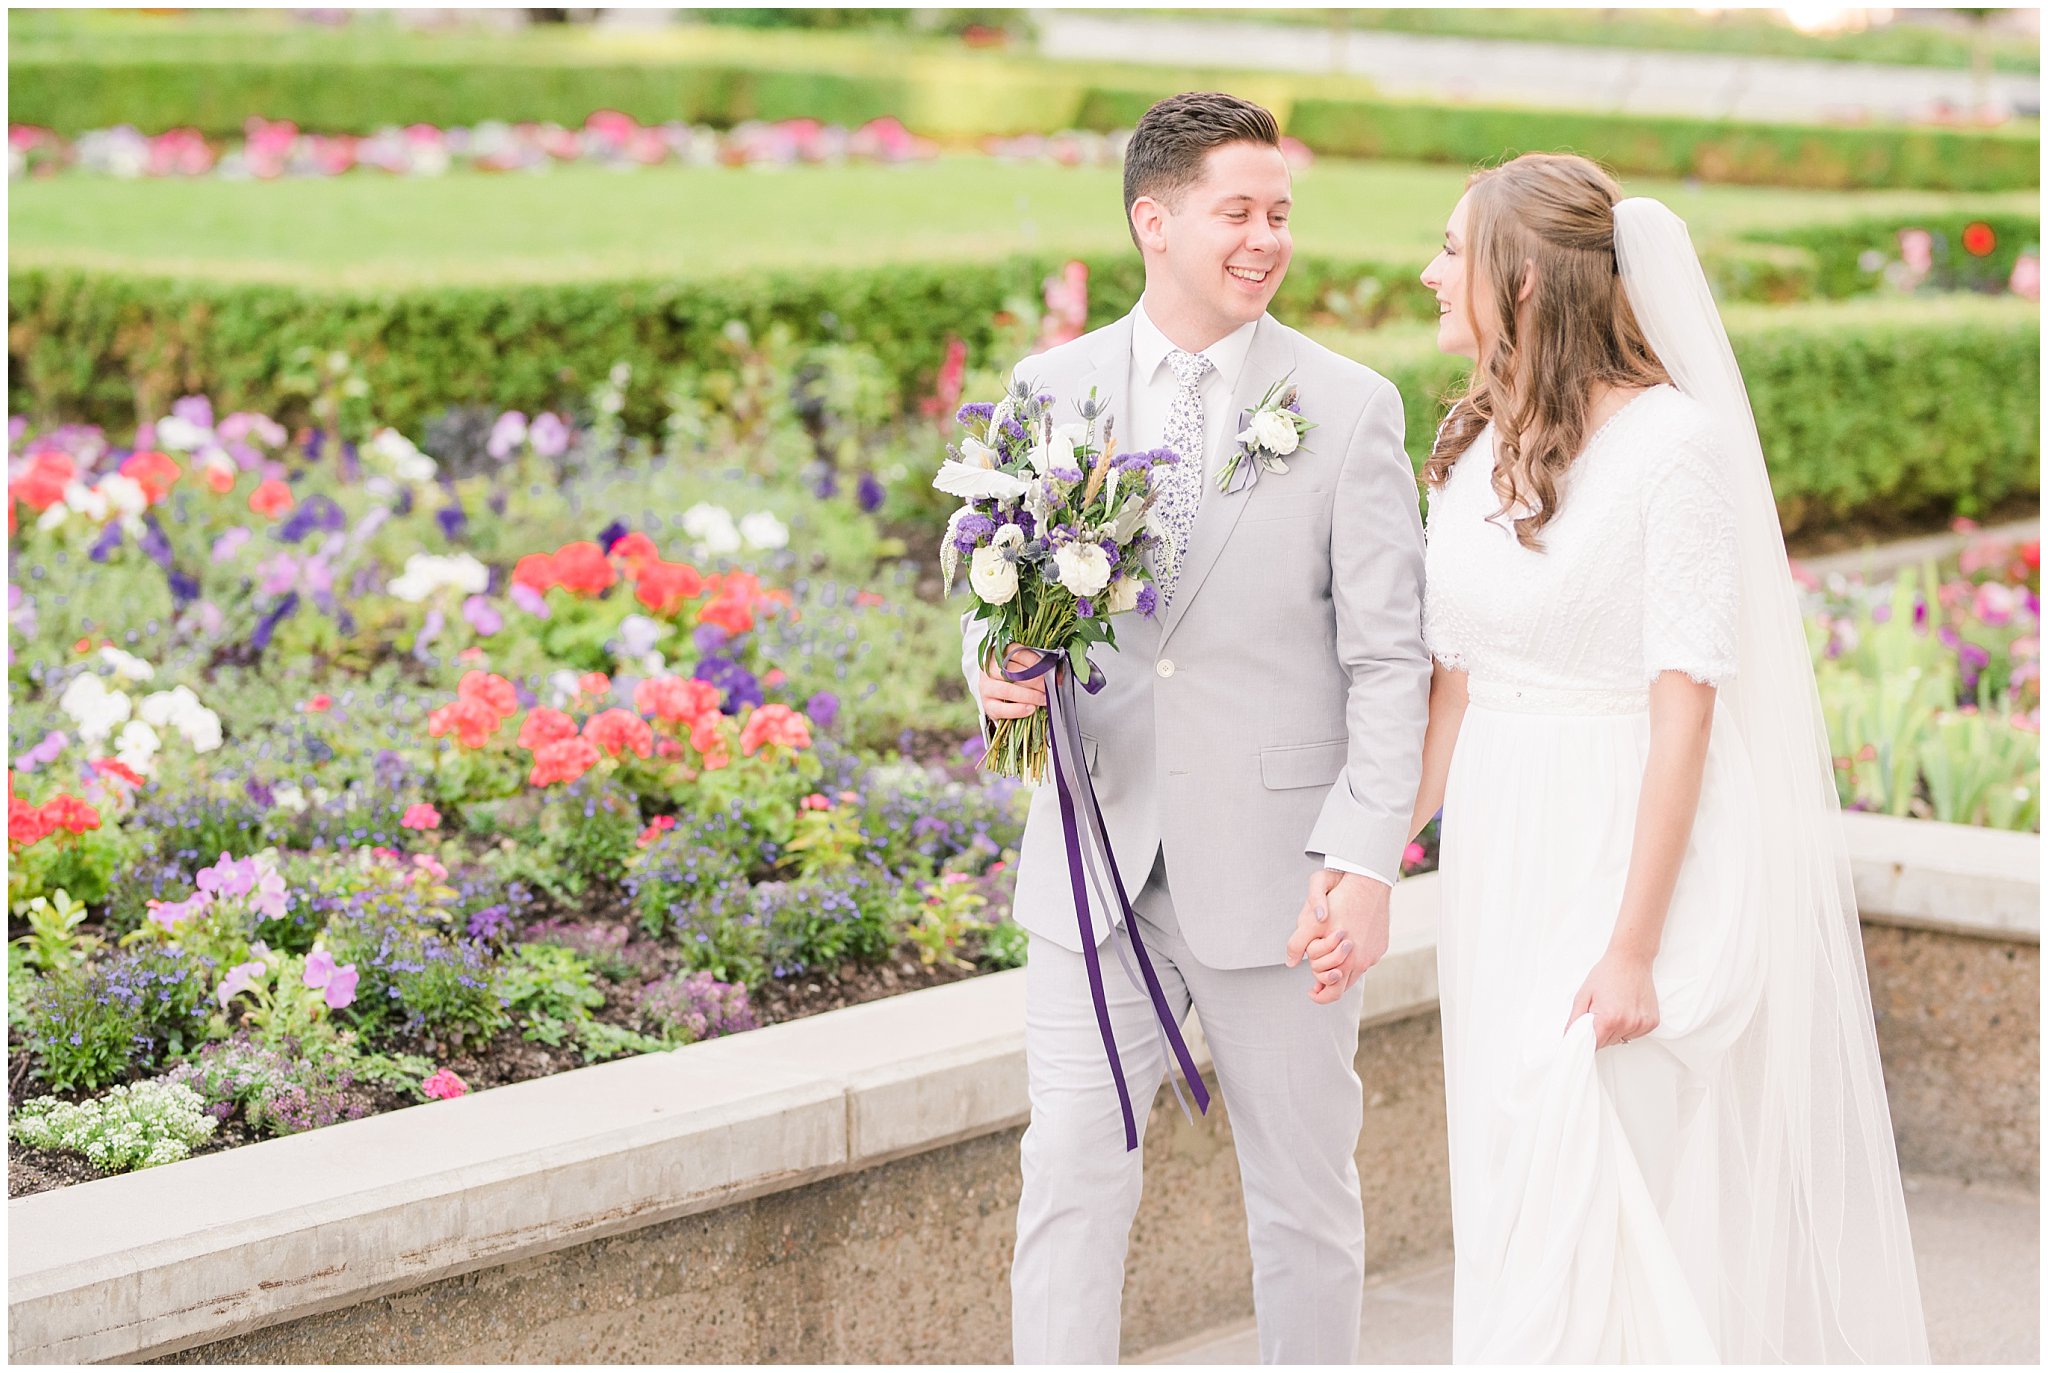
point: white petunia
(427, 573)
(124, 495)
(712, 527)
(971, 483)
(126, 664)
(402, 456)
(763, 530)
(1083, 568)
(137, 745)
(180, 435)
(93, 708)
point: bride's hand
(1621, 997)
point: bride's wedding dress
(1725, 1187)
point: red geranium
(684, 699)
(42, 486)
(775, 725)
(633, 549)
(471, 722)
(664, 586)
(271, 498)
(734, 616)
(536, 570)
(581, 567)
(616, 731)
(562, 761)
(708, 737)
(489, 690)
(70, 813)
(154, 472)
(545, 725)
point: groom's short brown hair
(1167, 148)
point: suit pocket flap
(1302, 765)
(1089, 748)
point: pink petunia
(444, 1085)
(421, 816)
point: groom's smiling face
(1215, 252)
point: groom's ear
(1148, 223)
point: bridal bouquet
(1053, 530)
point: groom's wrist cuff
(1331, 861)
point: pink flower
(430, 865)
(170, 914)
(339, 983)
(444, 1085)
(239, 979)
(421, 816)
(1412, 855)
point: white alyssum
(136, 1126)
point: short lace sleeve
(1689, 577)
(1439, 619)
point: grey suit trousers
(1285, 1066)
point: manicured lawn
(584, 223)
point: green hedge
(1836, 250)
(1676, 146)
(1880, 412)
(967, 98)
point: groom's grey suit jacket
(1274, 712)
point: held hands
(1620, 997)
(1003, 699)
(1342, 931)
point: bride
(1668, 1131)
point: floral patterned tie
(1180, 493)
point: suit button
(1166, 667)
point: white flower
(137, 745)
(1083, 568)
(712, 526)
(975, 453)
(86, 500)
(58, 512)
(763, 530)
(167, 707)
(565, 684)
(993, 576)
(1123, 596)
(426, 573)
(201, 730)
(126, 664)
(400, 454)
(1059, 452)
(1274, 431)
(288, 796)
(971, 483)
(93, 708)
(124, 495)
(180, 435)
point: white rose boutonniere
(1268, 433)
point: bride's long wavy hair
(1576, 329)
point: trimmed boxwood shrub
(1882, 411)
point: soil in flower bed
(505, 1059)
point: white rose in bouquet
(1123, 596)
(993, 574)
(1083, 568)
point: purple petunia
(870, 493)
(823, 708)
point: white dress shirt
(1153, 386)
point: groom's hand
(1003, 699)
(1341, 931)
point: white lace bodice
(1637, 575)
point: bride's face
(1446, 276)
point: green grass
(1747, 33)
(581, 223)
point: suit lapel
(1270, 358)
(1108, 374)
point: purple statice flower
(870, 493)
(823, 709)
(971, 530)
(483, 617)
(1113, 553)
(1148, 600)
(1084, 608)
(1070, 475)
(548, 434)
(740, 686)
(975, 412)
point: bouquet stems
(1022, 748)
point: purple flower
(971, 530)
(870, 493)
(740, 686)
(977, 412)
(453, 519)
(529, 600)
(1084, 608)
(228, 877)
(230, 543)
(1069, 475)
(339, 983)
(43, 754)
(1148, 600)
(548, 435)
(170, 914)
(483, 617)
(109, 540)
(709, 638)
(823, 708)
(194, 410)
(506, 435)
(315, 512)
(267, 626)
(490, 922)
(611, 534)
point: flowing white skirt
(1588, 1197)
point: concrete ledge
(277, 1233)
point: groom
(1259, 738)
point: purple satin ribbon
(1088, 846)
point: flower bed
(342, 780)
